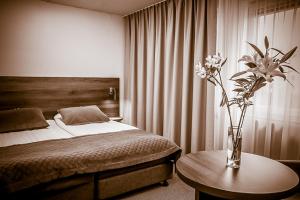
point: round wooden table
(257, 178)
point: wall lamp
(112, 93)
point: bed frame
(52, 93)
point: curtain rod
(144, 8)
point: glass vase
(234, 147)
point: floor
(176, 190)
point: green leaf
(251, 65)
(278, 51)
(261, 80)
(257, 87)
(242, 81)
(281, 69)
(266, 42)
(252, 77)
(290, 68)
(239, 90)
(238, 74)
(223, 101)
(258, 82)
(278, 73)
(288, 55)
(224, 62)
(251, 95)
(256, 49)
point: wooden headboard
(52, 93)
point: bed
(112, 163)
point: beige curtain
(272, 125)
(162, 93)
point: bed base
(120, 184)
(75, 187)
(102, 185)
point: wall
(44, 39)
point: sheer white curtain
(272, 125)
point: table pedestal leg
(202, 196)
(197, 194)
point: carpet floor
(176, 190)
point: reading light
(113, 92)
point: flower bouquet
(261, 70)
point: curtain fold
(162, 93)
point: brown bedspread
(26, 165)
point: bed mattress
(53, 159)
(29, 136)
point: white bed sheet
(93, 128)
(29, 136)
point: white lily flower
(200, 71)
(214, 61)
(246, 58)
(266, 68)
(209, 61)
(209, 57)
(218, 58)
(197, 66)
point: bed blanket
(26, 165)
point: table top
(257, 178)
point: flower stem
(227, 105)
(226, 97)
(242, 117)
(241, 120)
